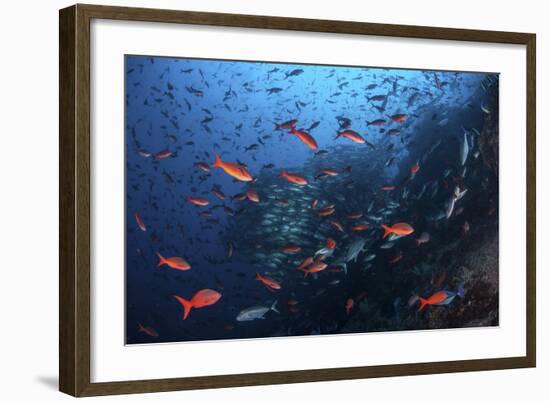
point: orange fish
(349, 305)
(252, 195)
(305, 137)
(291, 248)
(387, 188)
(350, 134)
(397, 229)
(147, 330)
(319, 257)
(331, 244)
(201, 299)
(435, 299)
(268, 282)
(360, 227)
(326, 211)
(415, 168)
(308, 261)
(233, 169)
(294, 178)
(174, 262)
(197, 201)
(140, 222)
(314, 268)
(399, 118)
(163, 155)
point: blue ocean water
(181, 113)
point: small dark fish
(294, 73)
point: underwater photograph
(270, 199)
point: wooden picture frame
(74, 203)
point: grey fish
(256, 312)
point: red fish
(291, 248)
(314, 203)
(140, 222)
(354, 216)
(201, 299)
(326, 211)
(395, 259)
(233, 169)
(197, 201)
(435, 299)
(350, 134)
(202, 166)
(360, 227)
(314, 268)
(338, 226)
(397, 229)
(252, 195)
(268, 282)
(294, 178)
(415, 168)
(163, 155)
(329, 171)
(399, 118)
(331, 244)
(308, 261)
(387, 188)
(349, 305)
(305, 137)
(147, 330)
(174, 262)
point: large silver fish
(256, 312)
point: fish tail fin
(257, 277)
(274, 306)
(187, 305)
(161, 260)
(387, 231)
(460, 291)
(423, 303)
(283, 173)
(217, 162)
(338, 135)
(305, 273)
(140, 327)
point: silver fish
(256, 312)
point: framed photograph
(281, 200)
